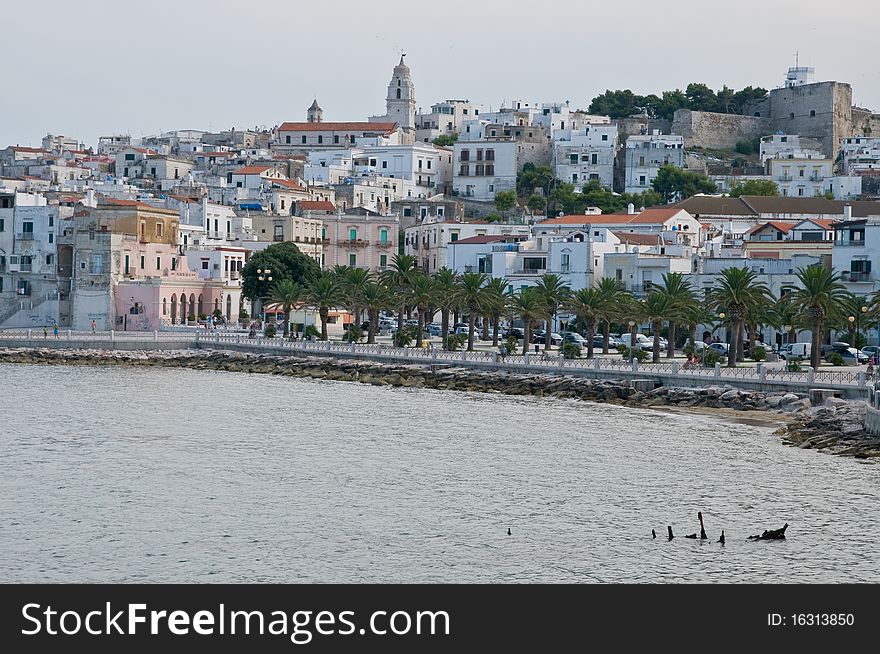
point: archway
(229, 307)
(174, 309)
(201, 307)
(183, 308)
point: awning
(255, 206)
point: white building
(445, 119)
(482, 168)
(800, 177)
(646, 153)
(789, 146)
(860, 154)
(585, 154)
(400, 103)
(428, 241)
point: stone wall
(872, 421)
(717, 131)
(822, 111)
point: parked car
(598, 341)
(747, 347)
(642, 342)
(797, 351)
(514, 331)
(539, 336)
(719, 347)
(577, 339)
(699, 346)
(872, 351)
(851, 356)
(434, 329)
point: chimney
(847, 212)
(90, 198)
(630, 209)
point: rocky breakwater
(836, 427)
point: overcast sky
(97, 67)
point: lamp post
(263, 275)
(632, 335)
(863, 311)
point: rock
(788, 398)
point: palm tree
(494, 303)
(610, 290)
(588, 305)
(818, 295)
(421, 296)
(632, 310)
(375, 298)
(323, 294)
(738, 292)
(658, 306)
(446, 284)
(530, 305)
(471, 295)
(693, 315)
(785, 315)
(851, 306)
(288, 294)
(397, 278)
(678, 290)
(555, 293)
(352, 282)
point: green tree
(555, 292)
(531, 307)
(286, 263)
(494, 302)
(471, 296)
(446, 140)
(680, 294)
(421, 296)
(617, 104)
(754, 187)
(818, 294)
(658, 307)
(323, 295)
(505, 201)
(675, 183)
(398, 278)
(611, 291)
(737, 293)
(537, 203)
(533, 177)
(375, 298)
(701, 97)
(588, 305)
(352, 282)
(446, 285)
(288, 294)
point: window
(465, 155)
(463, 171)
(153, 171)
(407, 213)
(490, 170)
(791, 115)
(383, 260)
(282, 204)
(604, 137)
(158, 263)
(385, 164)
(812, 113)
(279, 232)
(352, 260)
(336, 138)
(595, 159)
(453, 236)
(373, 162)
(143, 264)
(51, 237)
(398, 93)
(27, 228)
(129, 157)
(641, 180)
(159, 229)
(479, 170)
(352, 233)
(320, 138)
(494, 132)
(574, 177)
(573, 158)
(50, 259)
(303, 138)
(51, 221)
(126, 265)
(287, 139)
(204, 264)
(2, 224)
(174, 263)
(383, 235)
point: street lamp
(863, 311)
(632, 335)
(263, 275)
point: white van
(797, 351)
(642, 342)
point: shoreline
(835, 428)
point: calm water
(187, 476)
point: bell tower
(313, 115)
(401, 101)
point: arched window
(164, 306)
(791, 115)
(352, 233)
(398, 94)
(216, 304)
(812, 113)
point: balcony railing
(849, 241)
(355, 243)
(384, 244)
(278, 237)
(530, 271)
(856, 276)
(25, 236)
(507, 247)
(25, 267)
(234, 274)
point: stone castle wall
(717, 131)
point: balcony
(25, 267)
(856, 276)
(234, 274)
(278, 237)
(354, 243)
(849, 242)
(25, 236)
(384, 245)
(530, 271)
(507, 247)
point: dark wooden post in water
(721, 540)
(772, 534)
(670, 533)
(702, 530)
(653, 534)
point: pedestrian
(45, 332)
(94, 326)
(55, 329)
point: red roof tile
(252, 170)
(782, 227)
(289, 183)
(317, 205)
(638, 239)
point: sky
(98, 67)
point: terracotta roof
(782, 227)
(824, 223)
(145, 150)
(639, 239)
(22, 148)
(215, 154)
(317, 205)
(715, 204)
(251, 170)
(654, 215)
(289, 183)
(646, 217)
(338, 127)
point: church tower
(313, 115)
(401, 101)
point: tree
(678, 290)
(446, 285)
(421, 296)
(505, 201)
(818, 295)
(617, 104)
(754, 187)
(397, 278)
(588, 305)
(531, 307)
(737, 292)
(494, 303)
(352, 282)
(611, 291)
(286, 263)
(445, 140)
(323, 294)
(375, 298)
(555, 292)
(701, 97)
(533, 177)
(658, 306)
(537, 203)
(471, 295)
(288, 294)
(675, 183)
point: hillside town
(157, 233)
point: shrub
(243, 316)
(311, 332)
(203, 316)
(455, 341)
(191, 317)
(758, 353)
(271, 330)
(835, 359)
(353, 333)
(793, 365)
(711, 357)
(217, 313)
(405, 336)
(512, 344)
(571, 351)
(634, 353)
